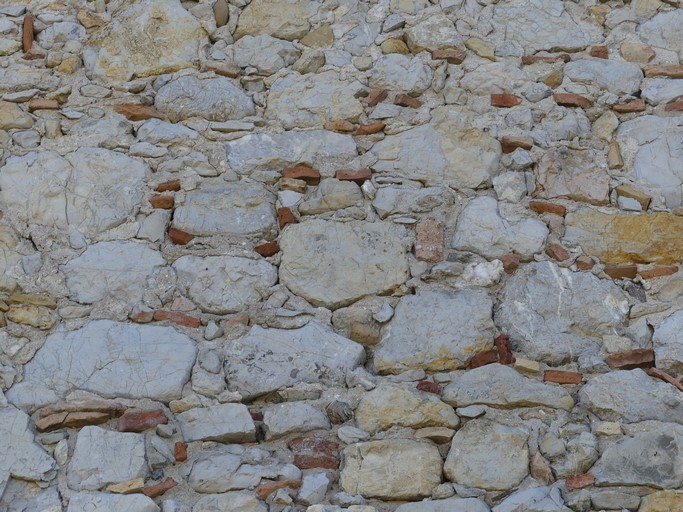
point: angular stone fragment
(71, 420)
(358, 176)
(230, 502)
(279, 18)
(429, 241)
(637, 358)
(265, 53)
(666, 341)
(434, 33)
(509, 144)
(36, 316)
(446, 342)
(401, 73)
(179, 237)
(536, 499)
(577, 175)
(404, 100)
(505, 100)
(617, 77)
(662, 501)
(287, 418)
(488, 455)
(334, 278)
(253, 363)
(409, 201)
(226, 423)
(331, 195)
(501, 386)
(105, 502)
(157, 490)
(392, 469)
(450, 55)
(129, 487)
(138, 112)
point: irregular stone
(661, 90)
(265, 53)
(111, 269)
(648, 458)
(130, 487)
(484, 49)
(331, 195)
(105, 502)
(488, 455)
(146, 38)
(446, 342)
(399, 72)
(226, 423)
(12, 116)
(91, 189)
(230, 502)
(159, 489)
(397, 469)
(434, 33)
(36, 316)
(315, 452)
(156, 131)
(328, 280)
(662, 31)
(287, 418)
(631, 396)
(29, 496)
(636, 52)
(389, 405)
(139, 421)
(625, 238)
(102, 457)
(614, 500)
(238, 209)
(617, 77)
(577, 175)
(535, 499)
(279, 18)
(253, 363)
(224, 284)
(215, 99)
(666, 342)
(307, 101)
(482, 229)
(500, 385)
(662, 501)
(111, 359)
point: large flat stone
(617, 77)
(230, 502)
(284, 19)
(106, 502)
(447, 505)
(333, 264)
(436, 330)
(400, 72)
(573, 174)
(662, 501)
(265, 360)
(663, 31)
(617, 237)
(227, 423)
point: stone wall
(302, 255)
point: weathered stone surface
(253, 363)
(482, 229)
(287, 418)
(265, 53)
(400, 72)
(216, 207)
(307, 101)
(447, 505)
(352, 259)
(619, 78)
(434, 33)
(393, 469)
(661, 90)
(488, 455)
(632, 396)
(105, 502)
(102, 457)
(156, 131)
(667, 342)
(224, 284)
(648, 458)
(407, 201)
(12, 116)
(111, 269)
(662, 501)
(284, 19)
(535, 499)
(332, 195)
(454, 326)
(578, 175)
(389, 405)
(501, 386)
(618, 237)
(663, 31)
(111, 359)
(227, 423)
(230, 502)
(149, 37)
(9, 258)
(91, 189)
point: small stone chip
(156, 490)
(131, 486)
(179, 237)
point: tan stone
(614, 158)
(662, 501)
(90, 19)
(482, 48)
(279, 18)
(129, 487)
(439, 435)
(636, 52)
(37, 299)
(35, 316)
(527, 366)
(554, 79)
(394, 46)
(608, 428)
(69, 65)
(627, 238)
(321, 37)
(632, 192)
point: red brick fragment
(177, 317)
(579, 481)
(341, 125)
(285, 216)
(651, 273)
(404, 100)
(256, 415)
(562, 377)
(370, 128)
(502, 344)
(163, 202)
(505, 100)
(168, 186)
(557, 251)
(509, 144)
(600, 52)
(268, 249)
(267, 488)
(660, 374)
(179, 237)
(667, 70)
(584, 263)
(307, 461)
(157, 490)
(548, 59)
(429, 387)
(27, 33)
(510, 262)
(42, 104)
(139, 421)
(567, 99)
(302, 172)
(315, 452)
(637, 358)
(358, 176)
(138, 112)
(484, 358)
(450, 55)
(376, 96)
(621, 271)
(180, 451)
(675, 106)
(429, 240)
(547, 207)
(630, 106)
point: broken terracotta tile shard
(509, 144)
(179, 237)
(630, 106)
(376, 96)
(651, 273)
(162, 202)
(285, 216)
(547, 207)
(566, 99)
(548, 59)
(168, 186)
(156, 490)
(301, 172)
(139, 421)
(177, 317)
(27, 33)
(370, 128)
(600, 52)
(660, 374)
(562, 377)
(505, 100)
(138, 112)
(637, 358)
(358, 176)
(621, 271)
(484, 358)
(268, 249)
(502, 344)
(404, 100)
(579, 481)
(429, 387)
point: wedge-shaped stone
(501, 386)
(227, 423)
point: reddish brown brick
(376, 96)
(285, 216)
(341, 125)
(621, 271)
(509, 144)
(370, 128)
(42, 104)
(268, 249)
(267, 488)
(308, 461)
(637, 358)
(557, 251)
(567, 99)
(661, 374)
(505, 100)
(168, 186)
(579, 481)
(510, 262)
(163, 202)
(547, 207)
(358, 176)
(138, 112)
(314, 444)
(429, 240)
(675, 106)
(177, 317)
(484, 358)
(562, 377)
(429, 387)
(139, 421)
(651, 273)
(630, 106)
(315, 452)
(404, 100)
(548, 59)
(302, 172)
(450, 55)
(157, 490)
(585, 263)
(667, 70)
(179, 237)
(71, 420)
(27, 33)
(502, 344)
(600, 52)
(180, 451)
